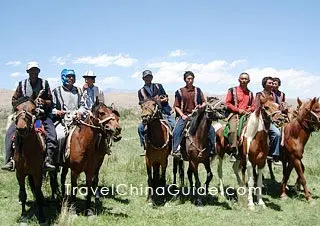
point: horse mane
(22, 100)
(195, 120)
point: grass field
(125, 166)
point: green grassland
(125, 166)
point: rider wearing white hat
(90, 91)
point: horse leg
(22, 196)
(175, 170)
(259, 185)
(189, 172)
(95, 183)
(74, 188)
(163, 178)
(39, 196)
(89, 179)
(181, 173)
(297, 185)
(220, 175)
(54, 183)
(250, 185)
(155, 178)
(198, 201)
(302, 179)
(150, 188)
(235, 168)
(269, 162)
(63, 180)
(287, 168)
(209, 175)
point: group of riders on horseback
(240, 102)
(58, 109)
(67, 101)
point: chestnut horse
(296, 135)
(256, 146)
(158, 141)
(29, 154)
(195, 145)
(88, 145)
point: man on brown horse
(66, 101)
(186, 100)
(239, 102)
(38, 89)
(274, 132)
(153, 90)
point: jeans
(177, 135)
(170, 120)
(274, 136)
(51, 139)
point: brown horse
(88, 145)
(255, 145)
(158, 139)
(195, 145)
(296, 135)
(29, 154)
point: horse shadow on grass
(186, 194)
(51, 208)
(272, 189)
(104, 192)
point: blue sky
(119, 39)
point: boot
(232, 157)
(143, 153)
(48, 164)
(9, 166)
(177, 154)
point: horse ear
(113, 107)
(314, 100)
(299, 102)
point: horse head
(150, 111)
(271, 113)
(24, 116)
(107, 118)
(308, 113)
(215, 108)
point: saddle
(240, 129)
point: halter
(153, 117)
(29, 116)
(187, 135)
(311, 127)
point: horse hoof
(251, 207)
(312, 202)
(23, 224)
(167, 205)
(150, 203)
(284, 197)
(198, 203)
(90, 213)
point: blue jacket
(158, 89)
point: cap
(32, 64)
(89, 74)
(146, 73)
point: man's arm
(16, 94)
(229, 103)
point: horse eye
(102, 113)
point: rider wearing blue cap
(66, 100)
(153, 90)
